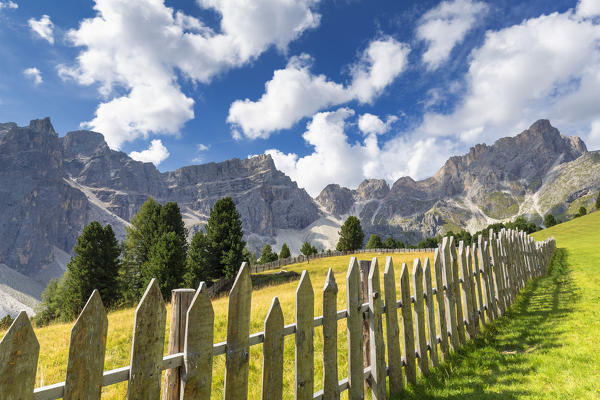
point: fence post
(431, 328)
(407, 320)
(198, 347)
(463, 257)
(378, 368)
(86, 352)
(180, 302)
(238, 341)
(419, 313)
(392, 329)
(481, 304)
(364, 266)
(305, 314)
(441, 304)
(147, 346)
(354, 328)
(449, 293)
(272, 373)
(19, 350)
(330, 367)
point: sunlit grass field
(548, 344)
(54, 339)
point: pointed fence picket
(489, 280)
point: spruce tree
(308, 249)
(351, 235)
(374, 242)
(197, 267)
(224, 239)
(267, 254)
(170, 220)
(95, 266)
(549, 220)
(166, 263)
(285, 251)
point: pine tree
(95, 266)
(374, 242)
(197, 267)
(170, 220)
(351, 235)
(224, 239)
(166, 263)
(308, 249)
(549, 220)
(598, 202)
(267, 254)
(285, 251)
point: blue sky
(336, 91)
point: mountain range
(51, 187)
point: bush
(6, 322)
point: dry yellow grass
(54, 339)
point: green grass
(548, 344)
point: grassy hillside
(547, 346)
(54, 339)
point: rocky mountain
(514, 176)
(51, 187)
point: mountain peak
(42, 125)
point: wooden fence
(301, 258)
(471, 285)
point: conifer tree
(374, 242)
(197, 267)
(285, 251)
(351, 235)
(267, 254)
(166, 263)
(598, 202)
(308, 249)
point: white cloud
(545, 67)
(139, 48)
(43, 27)
(34, 74)
(155, 154)
(202, 147)
(8, 4)
(295, 93)
(369, 123)
(445, 26)
(334, 159)
(588, 8)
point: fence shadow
(501, 352)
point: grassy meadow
(54, 339)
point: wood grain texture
(354, 331)
(198, 347)
(330, 366)
(430, 314)
(449, 299)
(479, 284)
(147, 346)
(272, 373)
(377, 348)
(441, 303)
(19, 351)
(305, 313)
(463, 257)
(460, 325)
(238, 332)
(85, 365)
(410, 370)
(419, 313)
(392, 329)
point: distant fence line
(462, 291)
(301, 258)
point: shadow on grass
(489, 366)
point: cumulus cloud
(43, 27)
(369, 123)
(202, 147)
(134, 51)
(588, 8)
(445, 26)
(545, 67)
(295, 92)
(155, 154)
(335, 159)
(8, 4)
(34, 74)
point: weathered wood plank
(490, 299)
(198, 347)
(19, 351)
(463, 255)
(180, 302)
(365, 266)
(238, 331)
(354, 328)
(330, 367)
(85, 365)
(272, 373)
(305, 313)
(430, 312)
(479, 285)
(378, 367)
(449, 293)
(410, 370)
(441, 304)
(470, 257)
(419, 313)
(497, 273)
(392, 329)
(147, 346)
(460, 319)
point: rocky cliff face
(486, 185)
(51, 187)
